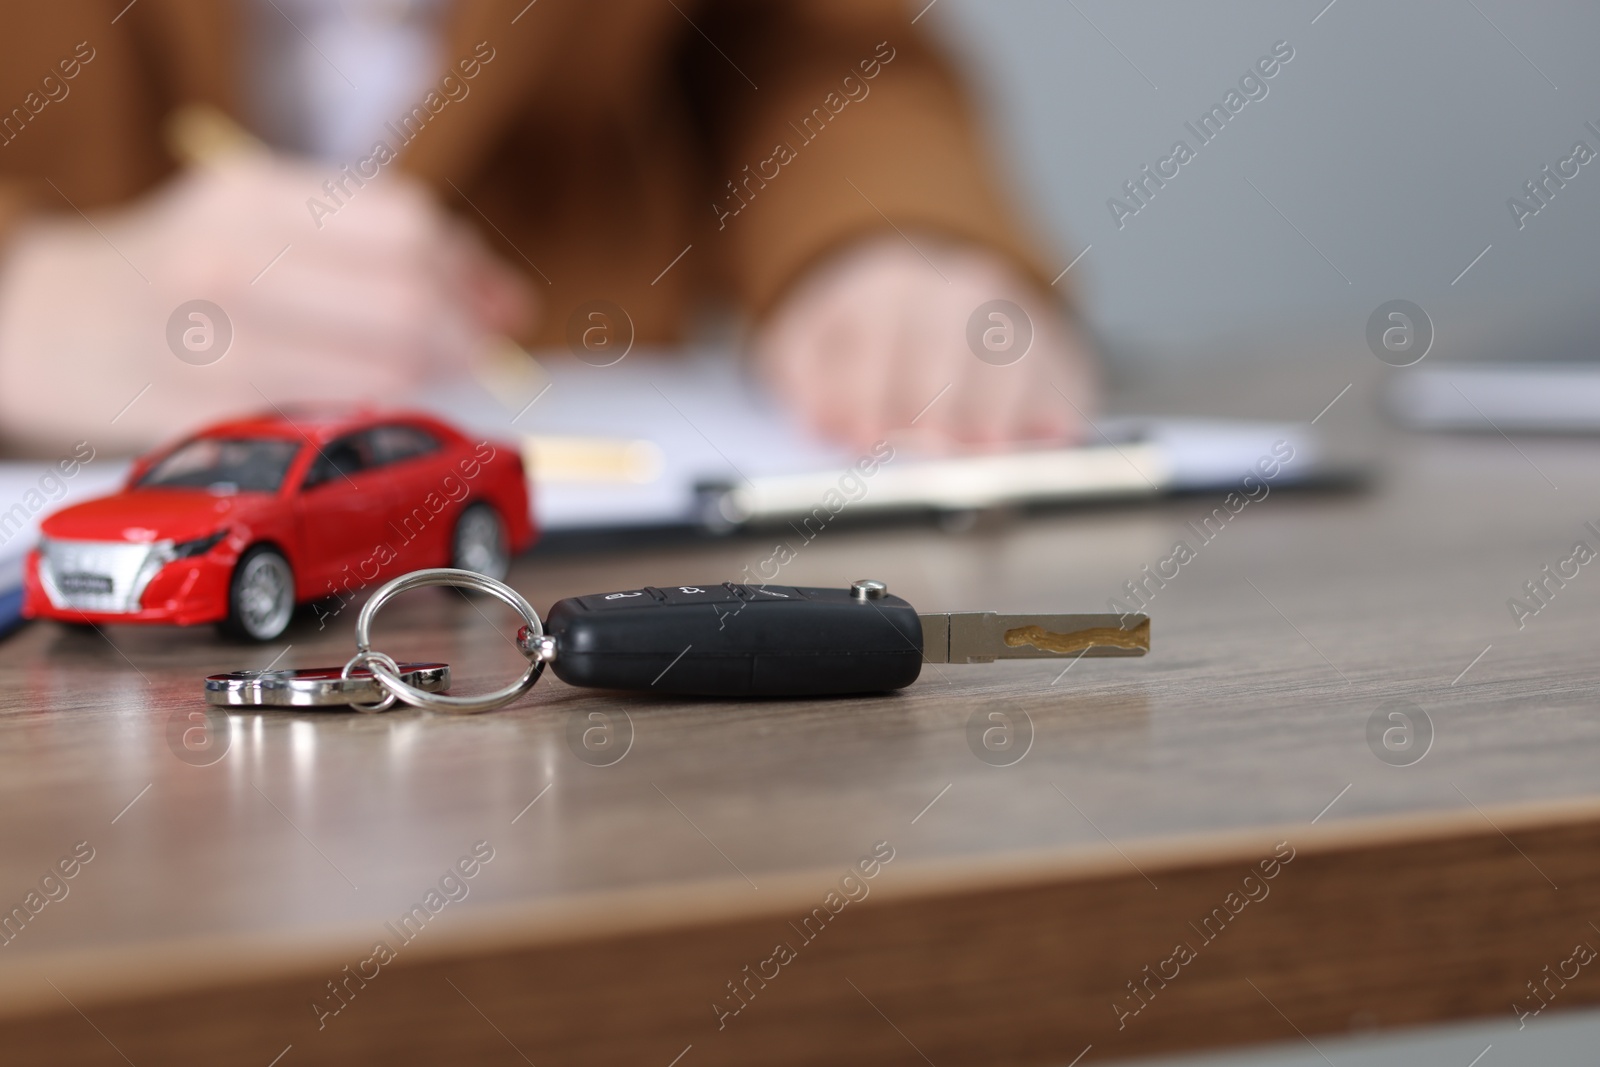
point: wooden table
(1024, 904)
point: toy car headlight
(197, 547)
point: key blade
(1042, 636)
(984, 636)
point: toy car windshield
(224, 465)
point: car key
(723, 639)
(731, 639)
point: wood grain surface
(1022, 900)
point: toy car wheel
(260, 596)
(480, 543)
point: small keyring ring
(460, 579)
(368, 659)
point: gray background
(1391, 140)
(1549, 1040)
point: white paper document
(713, 428)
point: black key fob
(736, 640)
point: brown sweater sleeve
(84, 90)
(834, 120)
(16, 203)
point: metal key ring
(460, 579)
(368, 659)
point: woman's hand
(361, 304)
(887, 336)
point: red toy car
(245, 520)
